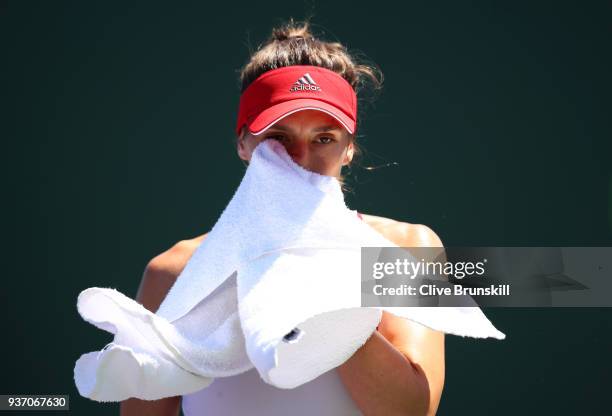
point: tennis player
(302, 91)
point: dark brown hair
(293, 43)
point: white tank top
(248, 394)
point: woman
(400, 369)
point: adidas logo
(305, 83)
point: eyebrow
(317, 130)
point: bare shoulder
(404, 234)
(161, 272)
(173, 260)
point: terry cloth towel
(275, 285)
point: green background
(117, 143)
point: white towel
(276, 285)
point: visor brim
(270, 116)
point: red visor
(283, 91)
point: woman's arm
(383, 381)
(400, 369)
(159, 276)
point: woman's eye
(322, 140)
(326, 140)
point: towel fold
(276, 285)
